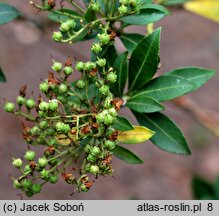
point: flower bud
(26, 183)
(43, 124)
(53, 105)
(57, 66)
(83, 187)
(67, 70)
(109, 144)
(44, 106)
(96, 48)
(104, 89)
(91, 158)
(96, 7)
(87, 148)
(95, 151)
(104, 38)
(57, 36)
(123, 9)
(36, 188)
(62, 127)
(44, 174)
(42, 162)
(79, 66)
(67, 25)
(112, 111)
(94, 169)
(9, 107)
(30, 155)
(30, 103)
(53, 179)
(100, 117)
(108, 119)
(111, 77)
(80, 84)
(20, 100)
(89, 66)
(17, 163)
(44, 87)
(101, 62)
(63, 88)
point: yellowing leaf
(206, 8)
(137, 135)
(63, 140)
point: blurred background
(187, 40)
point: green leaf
(168, 136)
(121, 67)
(110, 55)
(122, 124)
(63, 15)
(126, 155)
(79, 35)
(130, 41)
(144, 61)
(137, 135)
(2, 76)
(145, 1)
(143, 104)
(173, 2)
(90, 15)
(148, 14)
(216, 188)
(7, 13)
(165, 88)
(197, 76)
(202, 189)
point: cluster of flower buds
(129, 6)
(66, 28)
(75, 121)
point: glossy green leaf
(126, 155)
(63, 15)
(121, 68)
(144, 61)
(202, 189)
(149, 14)
(216, 188)
(137, 135)
(81, 34)
(168, 136)
(130, 41)
(166, 88)
(122, 124)
(143, 104)
(173, 2)
(197, 76)
(110, 55)
(2, 76)
(7, 13)
(90, 15)
(145, 1)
